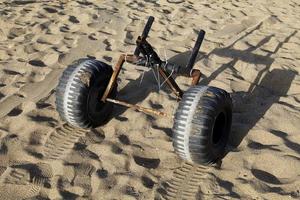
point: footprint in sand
(273, 168)
(175, 1)
(27, 173)
(37, 63)
(73, 19)
(1, 96)
(12, 191)
(15, 112)
(16, 32)
(150, 163)
(50, 10)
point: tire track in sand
(186, 181)
(61, 141)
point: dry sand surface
(251, 49)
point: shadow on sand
(266, 89)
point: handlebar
(150, 57)
(145, 33)
(195, 50)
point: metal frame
(149, 56)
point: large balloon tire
(202, 125)
(79, 92)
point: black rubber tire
(79, 91)
(202, 125)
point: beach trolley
(87, 91)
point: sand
(251, 49)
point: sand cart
(87, 91)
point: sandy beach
(251, 50)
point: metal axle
(139, 108)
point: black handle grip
(195, 50)
(145, 33)
(147, 27)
